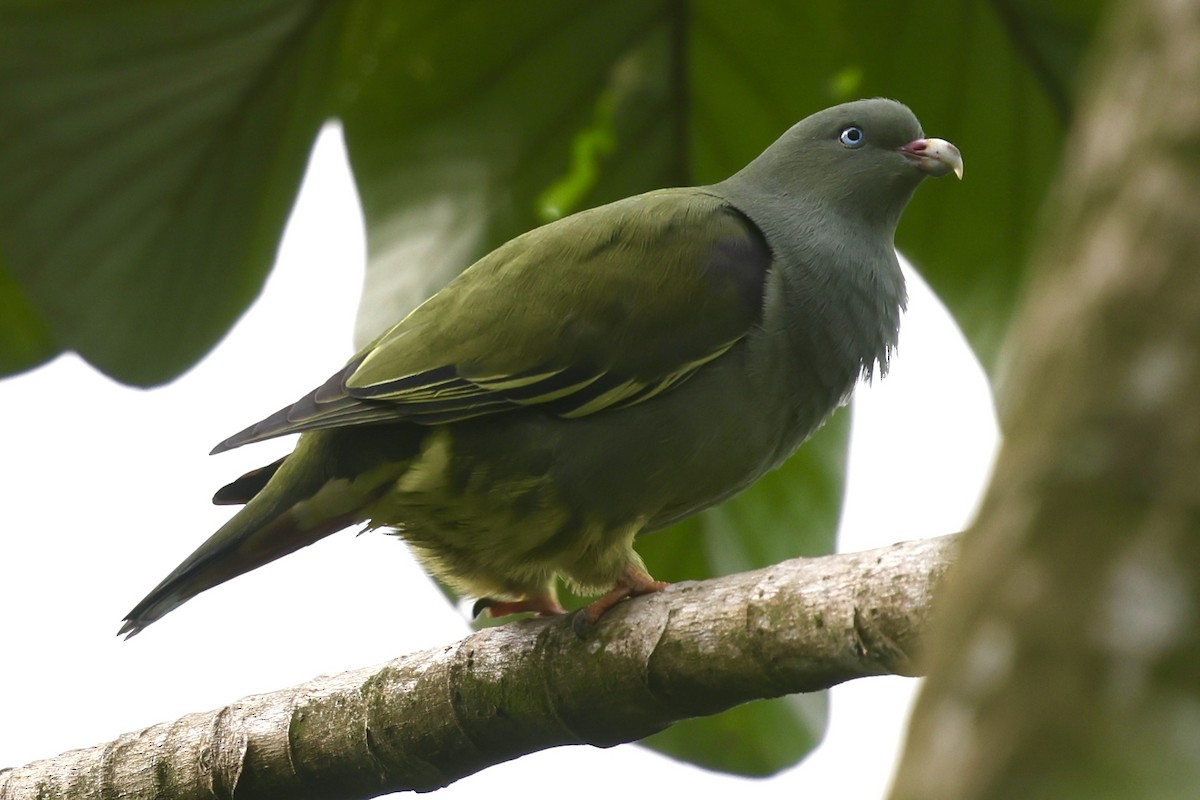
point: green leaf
(151, 149)
(25, 337)
(151, 152)
(755, 739)
(460, 121)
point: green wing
(602, 309)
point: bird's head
(862, 159)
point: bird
(597, 378)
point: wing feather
(600, 310)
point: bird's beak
(934, 157)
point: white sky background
(105, 489)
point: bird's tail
(300, 504)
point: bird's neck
(839, 193)
(832, 313)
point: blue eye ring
(853, 137)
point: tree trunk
(1065, 662)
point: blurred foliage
(151, 150)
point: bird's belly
(484, 508)
(500, 505)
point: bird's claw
(580, 623)
(633, 583)
(542, 605)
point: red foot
(633, 583)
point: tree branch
(427, 719)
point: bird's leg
(634, 581)
(544, 605)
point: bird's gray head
(862, 159)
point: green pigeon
(598, 377)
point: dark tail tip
(154, 607)
(132, 628)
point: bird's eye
(853, 137)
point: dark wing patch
(602, 310)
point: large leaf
(25, 336)
(151, 149)
(150, 153)
(454, 155)
(756, 739)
